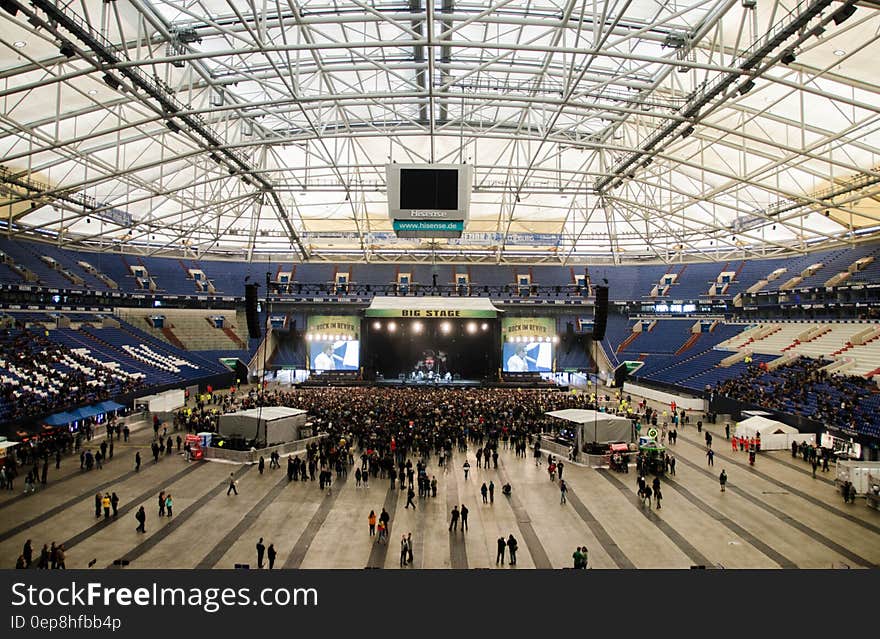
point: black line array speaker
(250, 309)
(601, 314)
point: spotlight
(66, 49)
(445, 327)
(112, 82)
(308, 337)
(746, 87)
(555, 339)
(510, 339)
(377, 326)
(417, 327)
(484, 326)
(843, 14)
(472, 327)
(788, 57)
(687, 131)
(392, 326)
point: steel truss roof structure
(599, 131)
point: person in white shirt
(324, 361)
(516, 363)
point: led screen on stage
(525, 357)
(528, 344)
(336, 355)
(333, 342)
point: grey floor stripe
(379, 552)
(788, 519)
(794, 491)
(222, 547)
(674, 536)
(524, 523)
(128, 507)
(64, 505)
(299, 550)
(179, 519)
(54, 482)
(418, 538)
(608, 544)
(457, 548)
(731, 525)
(805, 470)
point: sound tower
(250, 308)
(601, 313)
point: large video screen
(333, 343)
(528, 344)
(431, 349)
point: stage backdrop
(333, 342)
(527, 344)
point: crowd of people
(804, 388)
(41, 377)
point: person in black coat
(261, 549)
(499, 557)
(270, 554)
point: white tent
(774, 435)
(597, 426)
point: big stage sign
(430, 313)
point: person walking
(722, 479)
(169, 504)
(467, 468)
(464, 515)
(261, 549)
(162, 504)
(232, 488)
(710, 456)
(657, 496)
(137, 461)
(512, 545)
(270, 555)
(484, 491)
(114, 503)
(371, 520)
(499, 556)
(141, 517)
(409, 499)
(491, 492)
(559, 467)
(562, 490)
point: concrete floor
(772, 515)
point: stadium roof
(621, 130)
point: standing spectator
(562, 490)
(464, 516)
(114, 503)
(261, 549)
(371, 520)
(722, 479)
(169, 504)
(499, 556)
(270, 554)
(512, 545)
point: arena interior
(268, 268)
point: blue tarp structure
(85, 412)
(106, 407)
(59, 419)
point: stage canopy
(596, 426)
(432, 307)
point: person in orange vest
(733, 442)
